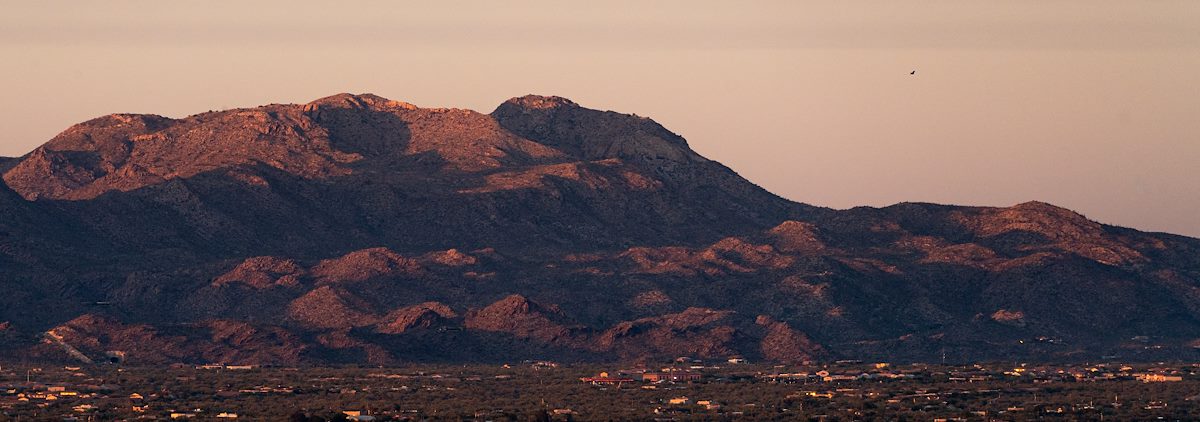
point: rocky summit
(357, 229)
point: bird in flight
(912, 73)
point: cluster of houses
(684, 401)
(1098, 372)
(885, 371)
(686, 369)
(70, 392)
(629, 376)
(878, 371)
(978, 373)
(82, 400)
(83, 395)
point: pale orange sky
(1092, 105)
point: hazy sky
(1093, 105)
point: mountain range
(358, 229)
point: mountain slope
(360, 229)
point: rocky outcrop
(236, 342)
(522, 318)
(728, 256)
(797, 237)
(102, 338)
(364, 265)
(124, 152)
(449, 258)
(342, 340)
(783, 344)
(693, 332)
(591, 134)
(1035, 225)
(651, 299)
(330, 307)
(421, 316)
(263, 272)
(1014, 318)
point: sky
(1093, 105)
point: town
(681, 389)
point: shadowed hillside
(361, 229)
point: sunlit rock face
(358, 229)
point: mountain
(357, 229)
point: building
(672, 376)
(604, 379)
(357, 415)
(1159, 378)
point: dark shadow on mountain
(368, 132)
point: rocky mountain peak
(593, 134)
(357, 101)
(539, 102)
